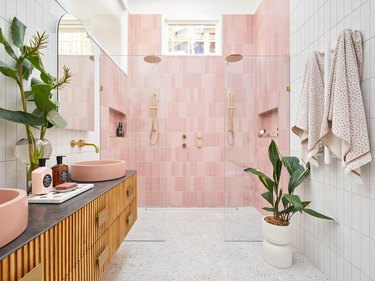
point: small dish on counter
(66, 187)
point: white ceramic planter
(277, 249)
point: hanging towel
(344, 128)
(310, 110)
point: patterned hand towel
(344, 128)
(310, 109)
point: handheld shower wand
(230, 132)
(154, 134)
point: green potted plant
(284, 203)
(39, 110)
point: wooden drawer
(101, 213)
(127, 193)
(93, 264)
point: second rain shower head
(234, 57)
(152, 59)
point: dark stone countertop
(44, 216)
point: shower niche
(116, 118)
(268, 123)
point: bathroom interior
(180, 99)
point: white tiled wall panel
(38, 15)
(343, 250)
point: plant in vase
(39, 110)
(284, 204)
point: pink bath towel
(344, 128)
(310, 110)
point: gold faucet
(82, 143)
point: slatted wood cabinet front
(81, 246)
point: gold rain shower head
(152, 59)
(234, 57)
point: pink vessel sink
(99, 170)
(14, 214)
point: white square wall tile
(347, 243)
(372, 221)
(2, 143)
(370, 87)
(356, 249)
(10, 174)
(347, 271)
(356, 212)
(11, 10)
(356, 4)
(356, 20)
(365, 21)
(365, 216)
(2, 9)
(372, 57)
(347, 7)
(333, 266)
(364, 277)
(340, 268)
(365, 255)
(10, 140)
(372, 259)
(366, 60)
(372, 18)
(2, 174)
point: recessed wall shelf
(268, 123)
(268, 134)
(116, 117)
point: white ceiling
(197, 8)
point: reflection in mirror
(77, 98)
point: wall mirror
(77, 51)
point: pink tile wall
(114, 98)
(192, 100)
(77, 99)
(272, 76)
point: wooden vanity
(76, 239)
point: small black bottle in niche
(120, 130)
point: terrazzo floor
(207, 244)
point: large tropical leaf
(41, 96)
(35, 81)
(7, 46)
(295, 201)
(317, 214)
(37, 62)
(29, 95)
(273, 152)
(291, 163)
(18, 32)
(275, 158)
(21, 117)
(278, 199)
(8, 71)
(268, 196)
(298, 177)
(273, 210)
(56, 119)
(290, 209)
(285, 202)
(266, 181)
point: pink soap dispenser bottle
(41, 178)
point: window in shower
(192, 37)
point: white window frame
(166, 21)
